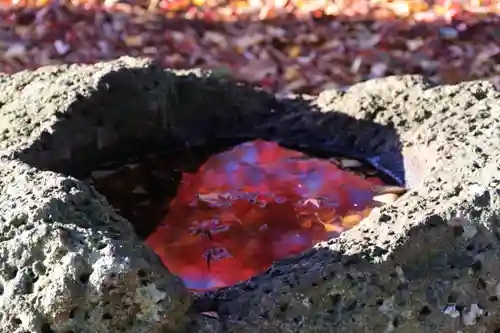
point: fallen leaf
(294, 51)
(133, 41)
(211, 314)
(15, 50)
(257, 70)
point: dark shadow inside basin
(161, 182)
(137, 112)
(133, 112)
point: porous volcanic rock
(69, 263)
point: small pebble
(348, 163)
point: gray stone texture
(68, 263)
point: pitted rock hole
(219, 215)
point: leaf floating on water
(139, 190)
(99, 174)
(211, 198)
(211, 314)
(132, 165)
(312, 201)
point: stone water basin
(71, 262)
(229, 219)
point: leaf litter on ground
(285, 46)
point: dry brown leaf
(256, 70)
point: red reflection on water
(253, 205)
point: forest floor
(299, 46)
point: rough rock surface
(427, 263)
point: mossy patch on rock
(69, 262)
